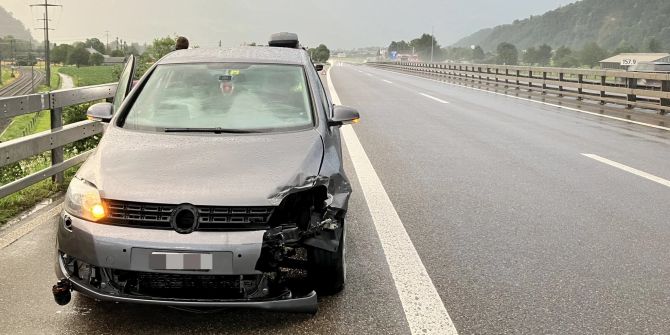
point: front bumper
(119, 247)
(303, 304)
(112, 248)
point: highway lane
(368, 305)
(519, 232)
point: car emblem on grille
(184, 219)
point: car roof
(255, 54)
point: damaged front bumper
(109, 263)
(284, 303)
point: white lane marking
(423, 307)
(29, 226)
(386, 81)
(369, 74)
(434, 98)
(536, 101)
(630, 169)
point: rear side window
(246, 97)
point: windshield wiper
(217, 130)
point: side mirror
(100, 112)
(318, 67)
(344, 115)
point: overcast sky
(338, 23)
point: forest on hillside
(612, 24)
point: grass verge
(25, 199)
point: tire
(327, 270)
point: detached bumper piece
(178, 290)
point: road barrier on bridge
(639, 90)
(51, 140)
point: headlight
(83, 200)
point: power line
(46, 29)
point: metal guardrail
(633, 89)
(51, 140)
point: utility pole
(47, 63)
(432, 42)
(107, 32)
(32, 68)
(11, 49)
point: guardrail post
(544, 82)
(518, 74)
(530, 80)
(665, 87)
(57, 153)
(603, 82)
(561, 78)
(580, 80)
(506, 79)
(632, 84)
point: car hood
(203, 169)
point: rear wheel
(327, 270)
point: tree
(95, 44)
(654, 46)
(544, 55)
(60, 53)
(565, 58)
(478, 53)
(507, 54)
(591, 54)
(79, 55)
(530, 56)
(319, 54)
(95, 59)
(424, 45)
(624, 48)
(161, 47)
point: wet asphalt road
(518, 231)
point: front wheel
(327, 270)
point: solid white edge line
(423, 307)
(387, 81)
(434, 98)
(629, 169)
(535, 101)
(27, 227)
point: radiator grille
(211, 218)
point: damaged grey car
(218, 183)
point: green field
(91, 75)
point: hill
(9, 26)
(610, 23)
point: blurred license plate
(180, 261)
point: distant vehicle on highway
(218, 183)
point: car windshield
(232, 97)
